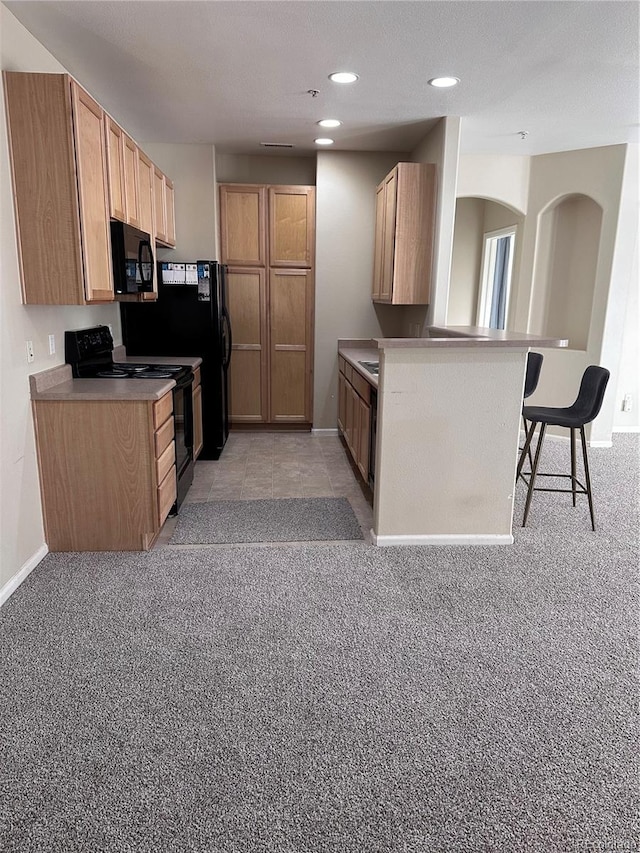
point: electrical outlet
(626, 403)
(30, 354)
(52, 344)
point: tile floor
(279, 465)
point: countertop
(57, 383)
(470, 336)
(355, 350)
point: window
(495, 284)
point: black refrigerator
(190, 318)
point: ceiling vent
(276, 145)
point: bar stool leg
(525, 434)
(587, 477)
(573, 464)
(525, 449)
(534, 470)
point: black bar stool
(534, 365)
(583, 411)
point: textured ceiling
(237, 73)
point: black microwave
(131, 258)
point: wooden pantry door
(247, 304)
(291, 295)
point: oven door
(183, 421)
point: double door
(268, 240)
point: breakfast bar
(448, 422)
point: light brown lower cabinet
(354, 414)
(197, 414)
(107, 472)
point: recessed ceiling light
(329, 122)
(343, 77)
(444, 82)
(323, 141)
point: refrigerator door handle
(226, 360)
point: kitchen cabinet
(267, 238)
(291, 226)
(107, 471)
(354, 414)
(115, 169)
(197, 414)
(248, 371)
(404, 234)
(165, 229)
(145, 180)
(243, 217)
(131, 181)
(59, 170)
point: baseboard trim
(626, 429)
(13, 583)
(549, 436)
(443, 539)
(324, 432)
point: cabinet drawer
(348, 372)
(362, 386)
(196, 377)
(167, 492)
(166, 460)
(162, 409)
(341, 364)
(163, 436)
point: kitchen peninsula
(448, 421)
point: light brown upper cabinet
(291, 226)
(405, 222)
(131, 182)
(59, 169)
(243, 224)
(114, 135)
(267, 236)
(164, 209)
(145, 178)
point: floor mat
(284, 520)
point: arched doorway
(485, 263)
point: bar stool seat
(574, 417)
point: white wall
(465, 262)
(501, 178)
(21, 530)
(599, 174)
(193, 173)
(345, 225)
(265, 169)
(442, 147)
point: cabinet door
(92, 195)
(242, 225)
(291, 226)
(388, 242)
(414, 232)
(342, 402)
(364, 421)
(197, 421)
(115, 169)
(247, 304)
(379, 243)
(145, 176)
(290, 319)
(170, 217)
(131, 181)
(159, 206)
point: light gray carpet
(331, 698)
(280, 520)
